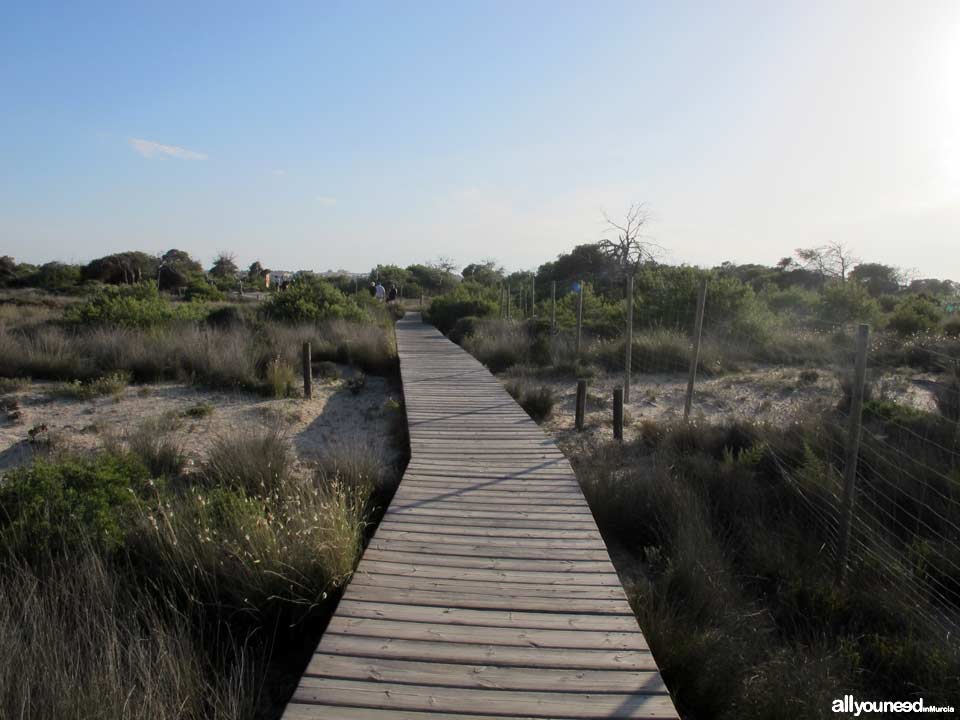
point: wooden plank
(490, 550)
(556, 592)
(487, 618)
(465, 599)
(395, 696)
(395, 555)
(498, 655)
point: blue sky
(328, 135)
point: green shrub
(138, 306)
(202, 291)
(54, 506)
(951, 327)
(946, 394)
(466, 300)
(847, 302)
(914, 315)
(311, 299)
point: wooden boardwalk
(487, 592)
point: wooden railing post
(618, 413)
(628, 359)
(553, 306)
(852, 452)
(581, 404)
(533, 297)
(579, 318)
(307, 372)
(695, 355)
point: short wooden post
(618, 413)
(307, 373)
(852, 452)
(579, 318)
(628, 359)
(553, 305)
(509, 300)
(581, 404)
(695, 355)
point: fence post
(581, 404)
(307, 373)
(628, 360)
(695, 355)
(533, 297)
(852, 453)
(553, 305)
(509, 298)
(579, 318)
(618, 413)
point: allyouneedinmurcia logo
(857, 707)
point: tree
(255, 271)
(631, 248)
(224, 266)
(935, 287)
(446, 267)
(389, 275)
(176, 268)
(8, 269)
(877, 278)
(586, 263)
(485, 273)
(833, 260)
(126, 268)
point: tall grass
(189, 597)
(729, 532)
(235, 355)
(80, 642)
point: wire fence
(902, 485)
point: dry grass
(79, 643)
(257, 462)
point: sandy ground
(765, 394)
(332, 414)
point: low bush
(112, 384)
(466, 300)
(138, 306)
(256, 462)
(536, 400)
(914, 315)
(281, 378)
(51, 507)
(946, 395)
(152, 442)
(310, 299)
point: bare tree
(446, 267)
(833, 260)
(631, 248)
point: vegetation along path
(487, 591)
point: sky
(325, 135)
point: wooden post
(581, 404)
(307, 372)
(421, 299)
(533, 297)
(695, 355)
(628, 360)
(618, 413)
(553, 305)
(852, 451)
(579, 318)
(509, 299)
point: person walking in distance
(380, 293)
(392, 295)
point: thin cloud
(326, 200)
(278, 171)
(151, 148)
